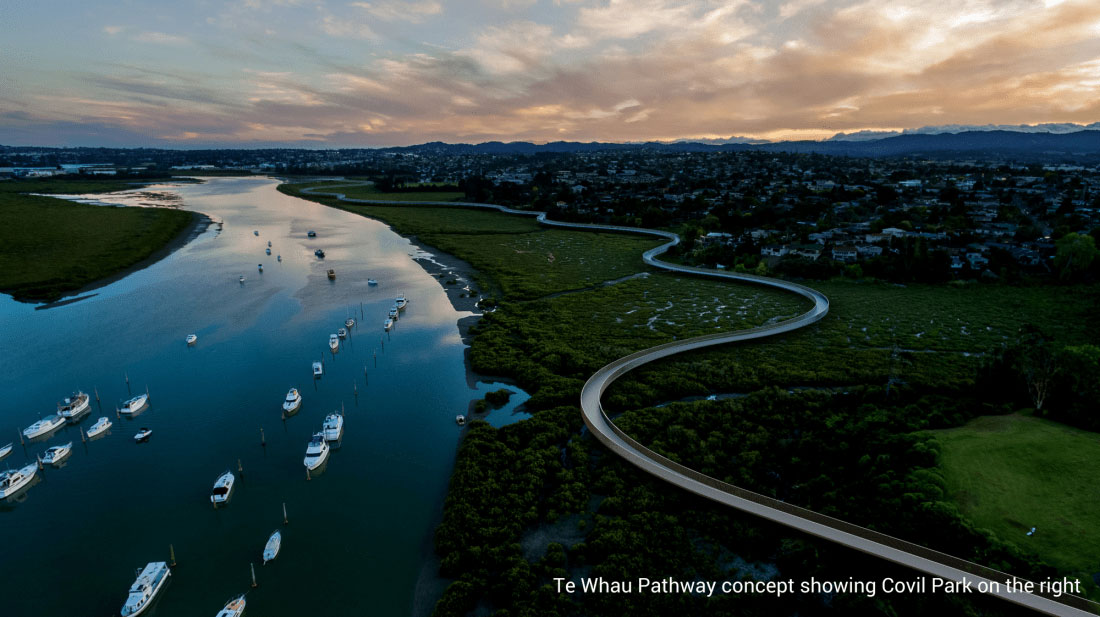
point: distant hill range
(985, 143)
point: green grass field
(1011, 473)
(368, 191)
(51, 246)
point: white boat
(333, 426)
(74, 406)
(316, 452)
(402, 302)
(143, 435)
(293, 401)
(44, 426)
(271, 549)
(318, 369)
(372, 282)
(349, 322)
(333, 342)
(56, 454)
(460, 420)
(392, 314)
(133, 405)
(12, 481)
(242, 278)
(388, 325)
(191, 338)
(342, 333)
(233, 608)
(5, 451)
(150, 581)
(223, 487)
(100, 425)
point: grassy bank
(369, 191)
(1011, 473)
(540, 499)
(51, 246)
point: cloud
(112, 30)
(161, 38)
(396, 10)
(346, 29)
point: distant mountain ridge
(1006, 142)
(1051, 127)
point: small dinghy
(191, 338)
(56, 454)
(269, 243)
(311, 234)
(44, 426)
(134, 405)
(372, 282)
(5, 451)
(333, 426)
(318, 369)
(278, 258)
(316, 452)
(260, 267)
(268, 251)
(143, 435)
(388, 325)
(256, 232)
(460, 420)
(342, 333)
(349, 322)
(293, 401)
(319, 253)
(393, 314)
(271, 549)
(223, 488)
(233, 608)
(331, 274)
(100, 425)
(334, 343)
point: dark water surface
(358, 531)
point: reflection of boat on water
(223, 488)
(12, 481)
(100, 425)
(271, 549)
(74, 406)
(56, 454)
(44, 426)
(293, 401)
(233, 608)
(316, 452)
(150, 581)
(134, 405)
(333, 426)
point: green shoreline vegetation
(846, 417)
(51, 246)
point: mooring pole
(263, 442)
(285, 521)
(253, 566)
(172, 555)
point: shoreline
(200, 223)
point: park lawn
(50, 246)
(369, 191)
(1011, 473)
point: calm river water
(358, 532)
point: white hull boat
(44, 426)
(150, 581)
(342, 333)
(74, 406)
(99, 427)
(372, 282)
(5, 451)
(191, 338)
(333, 426)
(318, 369)
(316, 452)
(388, 325)
(233, 608)
(333, 342)
(12, 481)
(460, 420)
(293, 401)
(56, 454)
(349, 322)
(241, 279)
(134, 405)
(223, 488)
(393, 314)
(143, 435)
(402, 302)
(271, 549)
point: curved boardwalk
(874, 543)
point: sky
(338, 73)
